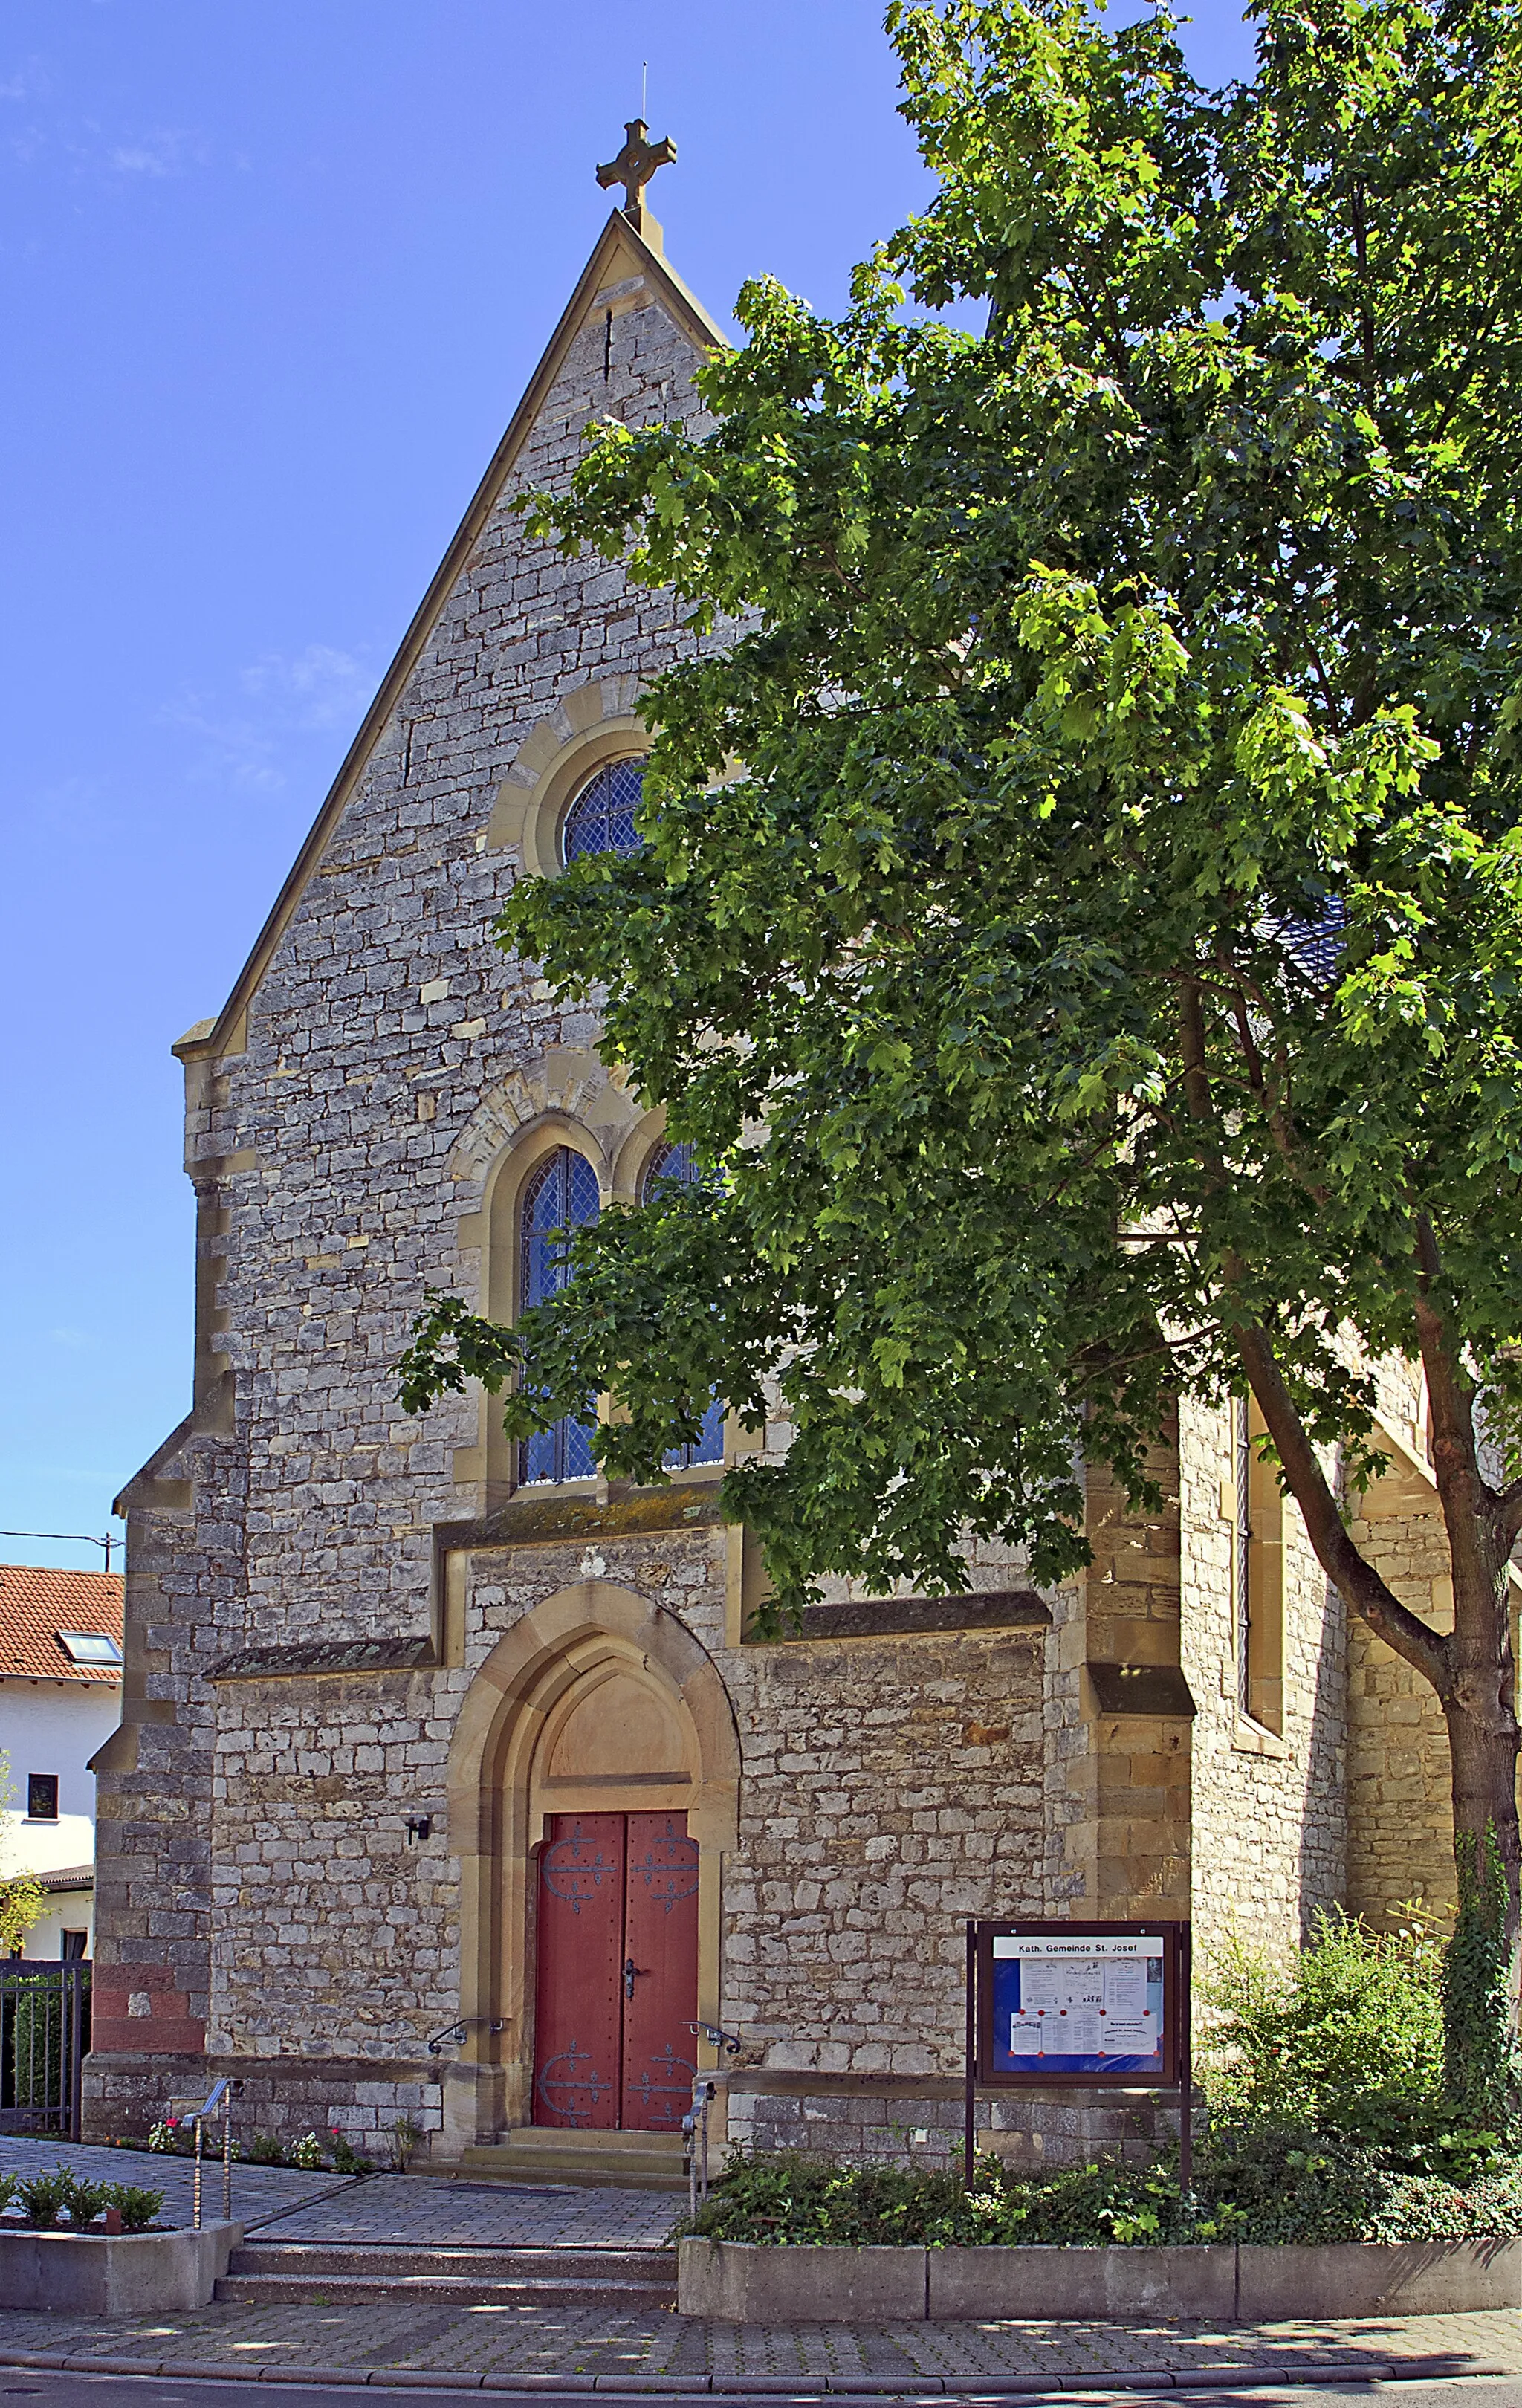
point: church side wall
(1269, 1808)
(1401, 1790)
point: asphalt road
(75, 2390)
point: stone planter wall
(120, 2274)
(743, 2283)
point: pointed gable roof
(620, 251)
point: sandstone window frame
(1256, 1669)
(511, 1182)
(590, 728)
(621, 1167)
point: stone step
(589, 2160)
(451, 2290)
(470, 2260)
(347, 2273)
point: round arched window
(601, 818)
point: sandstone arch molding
(565, 1096)
(595, 722)
(538, 1733)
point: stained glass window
(667, 1163)
(601, 818)
(561, 1194)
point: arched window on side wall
(562, 1194)
(601, 818)
(669, 1163)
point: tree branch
(1339, 1558)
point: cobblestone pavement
(258, 2191)
(436, 2211)
(471, 2343)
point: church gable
(628, 344)
(327, 1105)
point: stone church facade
(421, 1756)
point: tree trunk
(1479, 1706)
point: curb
(803, 2387)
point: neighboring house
(60, 1696)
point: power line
(76, 1537)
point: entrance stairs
(541, 2154)
(323, 2273)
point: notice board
(1080, 2003)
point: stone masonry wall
(1269, 1817)
(1401, 1784)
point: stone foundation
(125, 2094)
(901, 2126)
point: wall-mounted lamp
(417, 1828)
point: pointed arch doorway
(595, 1702)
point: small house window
(42, 1797)
(72, 1946)
(89, 1647)
(602, 817)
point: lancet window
(668, 1164)
(561, 1194)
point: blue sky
(273, 274)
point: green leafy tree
(1105, 979)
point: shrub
(266, 2149)
(347, 2159)
(136, 2207)
(402, 2139)
(164, 2136)
(1259, 2183)
(1347, 2040)
(44, 2197)
(308, 2154)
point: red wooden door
(617, 1972)
(578, 2023)
(660, 1964)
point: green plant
(1479, 2048)
(44, 2197)
(164, 2136)
(1258, 2183)
(266, 2149)
(7, 2191)
(1346, 2038)
(347, 2159)
(308, 2154)
(85, 2199)
(401, 2141)
(136, 2207)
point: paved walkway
(567, 2346)
(438, 2212)
(500, 2346)
(258, 2191)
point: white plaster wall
(53, 1726)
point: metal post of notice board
(1187, 2092)
(1068, 2005)
(970, 2099)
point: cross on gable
(635, 166)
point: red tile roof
(36, 1605)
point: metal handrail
(454, 2035)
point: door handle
(632, 1974)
